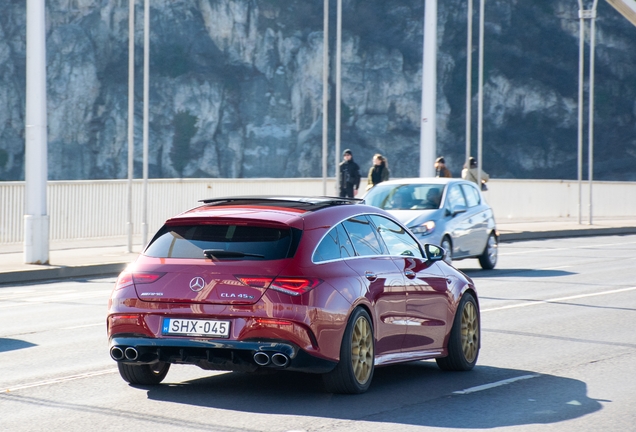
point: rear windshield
(227, 242)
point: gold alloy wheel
(362, 350)
(470, 332)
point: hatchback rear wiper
(220, 253)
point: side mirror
(434, 253)
(459, 209)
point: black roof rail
(308, 203)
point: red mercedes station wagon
(320, 285)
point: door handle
(448, 281)
(409, 274)
(370, 275)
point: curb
(112, 269)
(583, 232)
(55, 272)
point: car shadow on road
(417, 393)
(7, 344)
(521, 272)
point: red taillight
(294, 285)
(127, 279)
(144, 278)
(272, 322)
(255, 281)
(289, 285)
(124, 280)
(124, 319)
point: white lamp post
(131, 116)
(36, 219)
(325, 95)
(583, 15)
(338, 87)
(144, 222)
(428, 138)
(469, 71)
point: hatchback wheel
(488, 259)
(464, 340)
(354, 371)
(144, 374)
(448, 247)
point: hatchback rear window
(224, 242)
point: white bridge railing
(97, 208)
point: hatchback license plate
(190, 327)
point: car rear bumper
(217, 354)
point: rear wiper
(220, 253)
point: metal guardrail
(97, 208)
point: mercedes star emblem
(197, 284)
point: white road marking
(495, 384)
(73, 295)
(586, 246)
(61, 380)
(83, 326)
(558, 299)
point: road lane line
(543, 250)
(495, 384)
(83, 326)
(559, 299)
(60, 380)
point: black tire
(144, 374)
(488, 259)
(465, 337)
(354, 371)
(447, 245)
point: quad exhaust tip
(116, 353)
(131, 353)
(276, 359)
(280, 360)
(261, 358)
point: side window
(346, 248)
(362, 235)
(472, 196)
(456, 197)
(396, 238)
(328, 249)
(334, 245)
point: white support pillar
(469, 77)
(325, 96)
(338, 88)
(131, 118)
(36, 219)
(144, 221)
(428, 132)
(480, 107)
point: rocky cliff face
(236, 88)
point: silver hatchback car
(448, 212)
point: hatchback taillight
(289, 285)
(126, 279)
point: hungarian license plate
(190, 327)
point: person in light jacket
(472, 173)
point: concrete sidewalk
(108, 256)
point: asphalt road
(559, 353)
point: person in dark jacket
(378, 172)
(349, 176)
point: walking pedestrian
(378, 172)
(349, 175)
(471, 173)
(440, 168)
